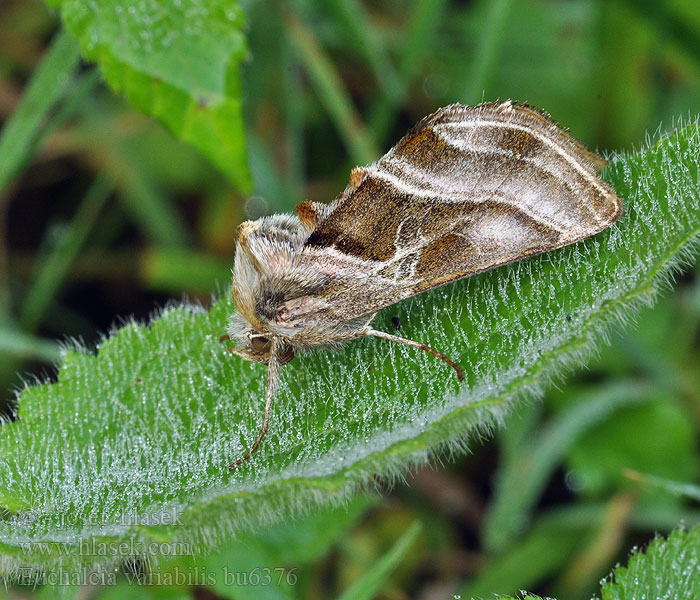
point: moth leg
(273, 375)
(419, 345)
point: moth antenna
(419, 345)
(273, 375)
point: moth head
(258, 346)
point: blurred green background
(112, 217)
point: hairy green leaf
(177, 61)
(142, 432)
(665, 569)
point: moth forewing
(466, 190)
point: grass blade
(522, 480)
(487, 52)
(332, 94)
(372, 581)
(27, 347)
(53, 268)
(47, 87)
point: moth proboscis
(468, 189)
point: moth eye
(260, 343)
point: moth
(468, 189)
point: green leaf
(149, 424)
(666, 569)
(177, 61)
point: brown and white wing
(467, 190)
